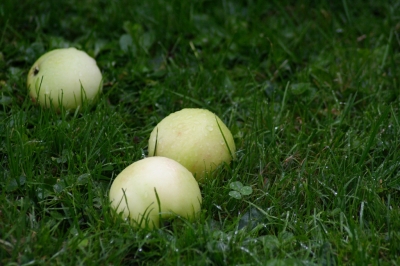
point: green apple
(136, 191)
(196, 138)
(64, 77)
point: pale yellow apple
(64, 77)
(133, 192)
(196, 138)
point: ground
(310, 92)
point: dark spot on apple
(35, 71)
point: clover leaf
(238, 190)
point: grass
(309, 90)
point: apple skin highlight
(64, 77)
(196, 138)
(132, 193)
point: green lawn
(309, 90)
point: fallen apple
(196, 138)
(66, 77)
(155, 187)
